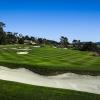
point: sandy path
(66, 81)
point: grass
(50, 59)
(46, 60)
(18, 91)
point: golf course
(50, 50)
(47, 62)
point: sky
(51, 19)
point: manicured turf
(18, 91)
(46, 57)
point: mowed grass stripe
(52, 57)
(7, 54)
(62, 58)
(93, 62)
(11, 55)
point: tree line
(16, 38)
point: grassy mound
(18, 91)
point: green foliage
(64, 42)
(11, 38)
(2, 24)
(76, 44)
(15, 38)
(2, 33)
(85, 46)
(21, 41)
(89, 46)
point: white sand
(13, 48)
(65, 48)
(4, 48)
(22, 53)
(24, 49)
(66, 81)
(36, 46)
(54, 47)
(20, 48)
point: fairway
(48, 58)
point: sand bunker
(66, 81)
(24, 49)
(36, 46)
(21, 49)
(4, 48)
(54, 47)
(22, 53)
(65, 48)
(13, 48)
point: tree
(21, 40)
(11, 38)
(64, 42)
(76, 44)
(40, 41)
(89, 46)
(52, 43)
(27, 37)
(33, 38)
(16, 37)
(2, 33)
(2, 25)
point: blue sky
(75, 19)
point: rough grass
(50, 58)
(18, 91)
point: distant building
(29, 42)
